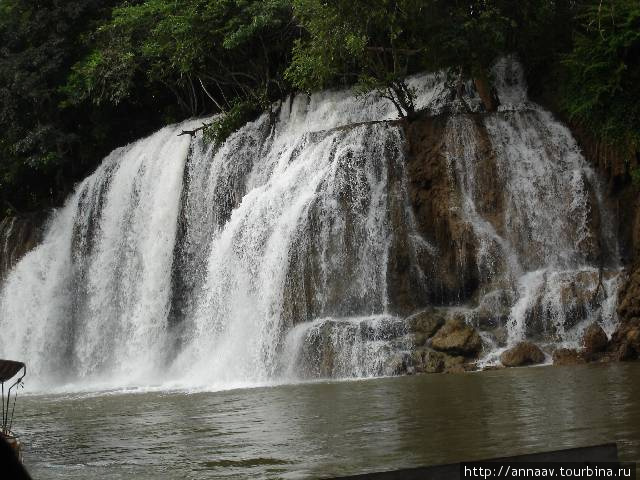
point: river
(325, 429)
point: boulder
(567, 356)
(594, 340)
(523, 353)
(425, 323)
(457, 338)
(427, 360)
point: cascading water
(285, 252)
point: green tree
(376, 45)
(601, 83)
(373, 44)
(78, 78)
(202, 51)
(38, 43)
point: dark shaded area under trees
(79, 78)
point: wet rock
(567, 356)
(536, 321)
(523, 353)
(500, 335)
(625, 352)
(318, 355)
(427, 360)
(563, 298)
(426, 322)
(457, 338)
(416, 358)
(450, 267)
(576, 296)
(603, 357)
(488, 320)
(491, 323)
(629, 293)
(625, 341)
(594, 340)
(19, 235)
(455, 364)
(418, 339)
(434, 362)
(397, 365)
(383, 329)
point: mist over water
(178, 265)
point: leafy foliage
(78, 78)
(225, 124)
(39, 41)
(375, 44)
(190, 47)
(602, 80)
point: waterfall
(297, 247)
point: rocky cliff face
(480, 199)
(18, 235)
(623, 197)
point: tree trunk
(486, 93)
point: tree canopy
(601, 83)
(78, 78)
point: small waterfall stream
(280, 255)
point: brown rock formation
(629, 295)
(426, 322)
(434, 199)
(615, 166)
(18, 235)
(427, 360)
(523, 353)
(567, 356)
(629, 292)
(594, 340)
(625, 342)
(457, 338)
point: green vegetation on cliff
(600, 85)
(79, 78)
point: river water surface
(319, 430)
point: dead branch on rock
(194, 131)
